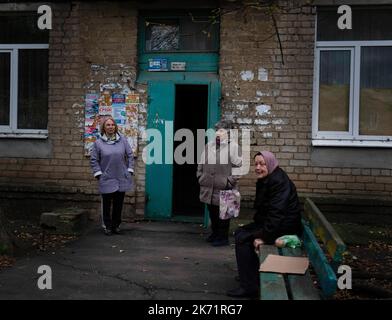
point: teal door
(214, 103)
(159, 176)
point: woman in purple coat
(112, 164)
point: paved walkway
(150, 260)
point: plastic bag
(229, 204)
(291, 241)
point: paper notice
(282, 264)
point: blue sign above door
(157, 64)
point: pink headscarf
(270, 161)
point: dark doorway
(190, 112)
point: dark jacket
(277, 207)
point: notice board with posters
(122, 107)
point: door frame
(213, 115)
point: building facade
(317, 96)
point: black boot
(242, 293)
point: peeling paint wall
(247, 75)
(263, 109)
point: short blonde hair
(224, 124)
(103, 126)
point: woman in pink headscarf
(278, 213)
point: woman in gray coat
(112, 164)
(214, 173)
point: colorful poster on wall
(118, 111)
(91, 121)
(131, 119)
(124, 110)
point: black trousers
(247, 259)
(109, 200)
(220, 228)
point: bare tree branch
(278, 35)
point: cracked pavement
(149, 261)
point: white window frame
(352, 137)
(12, 131)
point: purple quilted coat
(113, 162)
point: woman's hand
(279, 243)
(257, 243)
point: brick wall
(95, 44)
(91, 45)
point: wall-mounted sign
(178, 66)
(157, 64)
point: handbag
(229, 204)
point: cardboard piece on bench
(282, 264)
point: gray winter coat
(113, 162)
(216, 177)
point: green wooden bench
(275, 286)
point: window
(23, 76)
(193, 31)
(352, 104)
(162, 35)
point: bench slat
(301, 286)
(323, 229)
(272, 285)
(325, 274)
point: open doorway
(191, 107)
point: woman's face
(109, 127)
(221, 134)
(260, 167)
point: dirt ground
(369, 254)
(29, 239)
(370, 258)
(371, 266)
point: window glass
(162, 35)
(21, 27)
(33, 89)
(193, 31)
(199, 34)
(334, 90)
(375, 111)
(5, 59)
(367, 24)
